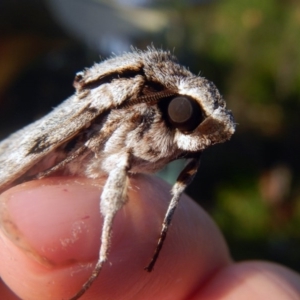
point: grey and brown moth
(133, 113)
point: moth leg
(113, 197)
(184, 179)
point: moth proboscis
(133, 113)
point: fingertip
(52, 238)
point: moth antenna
(155, 97)
(114, 196)
(184, 179)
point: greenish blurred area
(250, 49)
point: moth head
(198, 115)
(195, 111)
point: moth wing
(23, 149)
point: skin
(50, 241)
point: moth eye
(184, 113)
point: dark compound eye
(184, 113)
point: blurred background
(250, 49)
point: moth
(132, 113)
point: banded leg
(113, 197)
(184, 179)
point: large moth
(130, 114)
